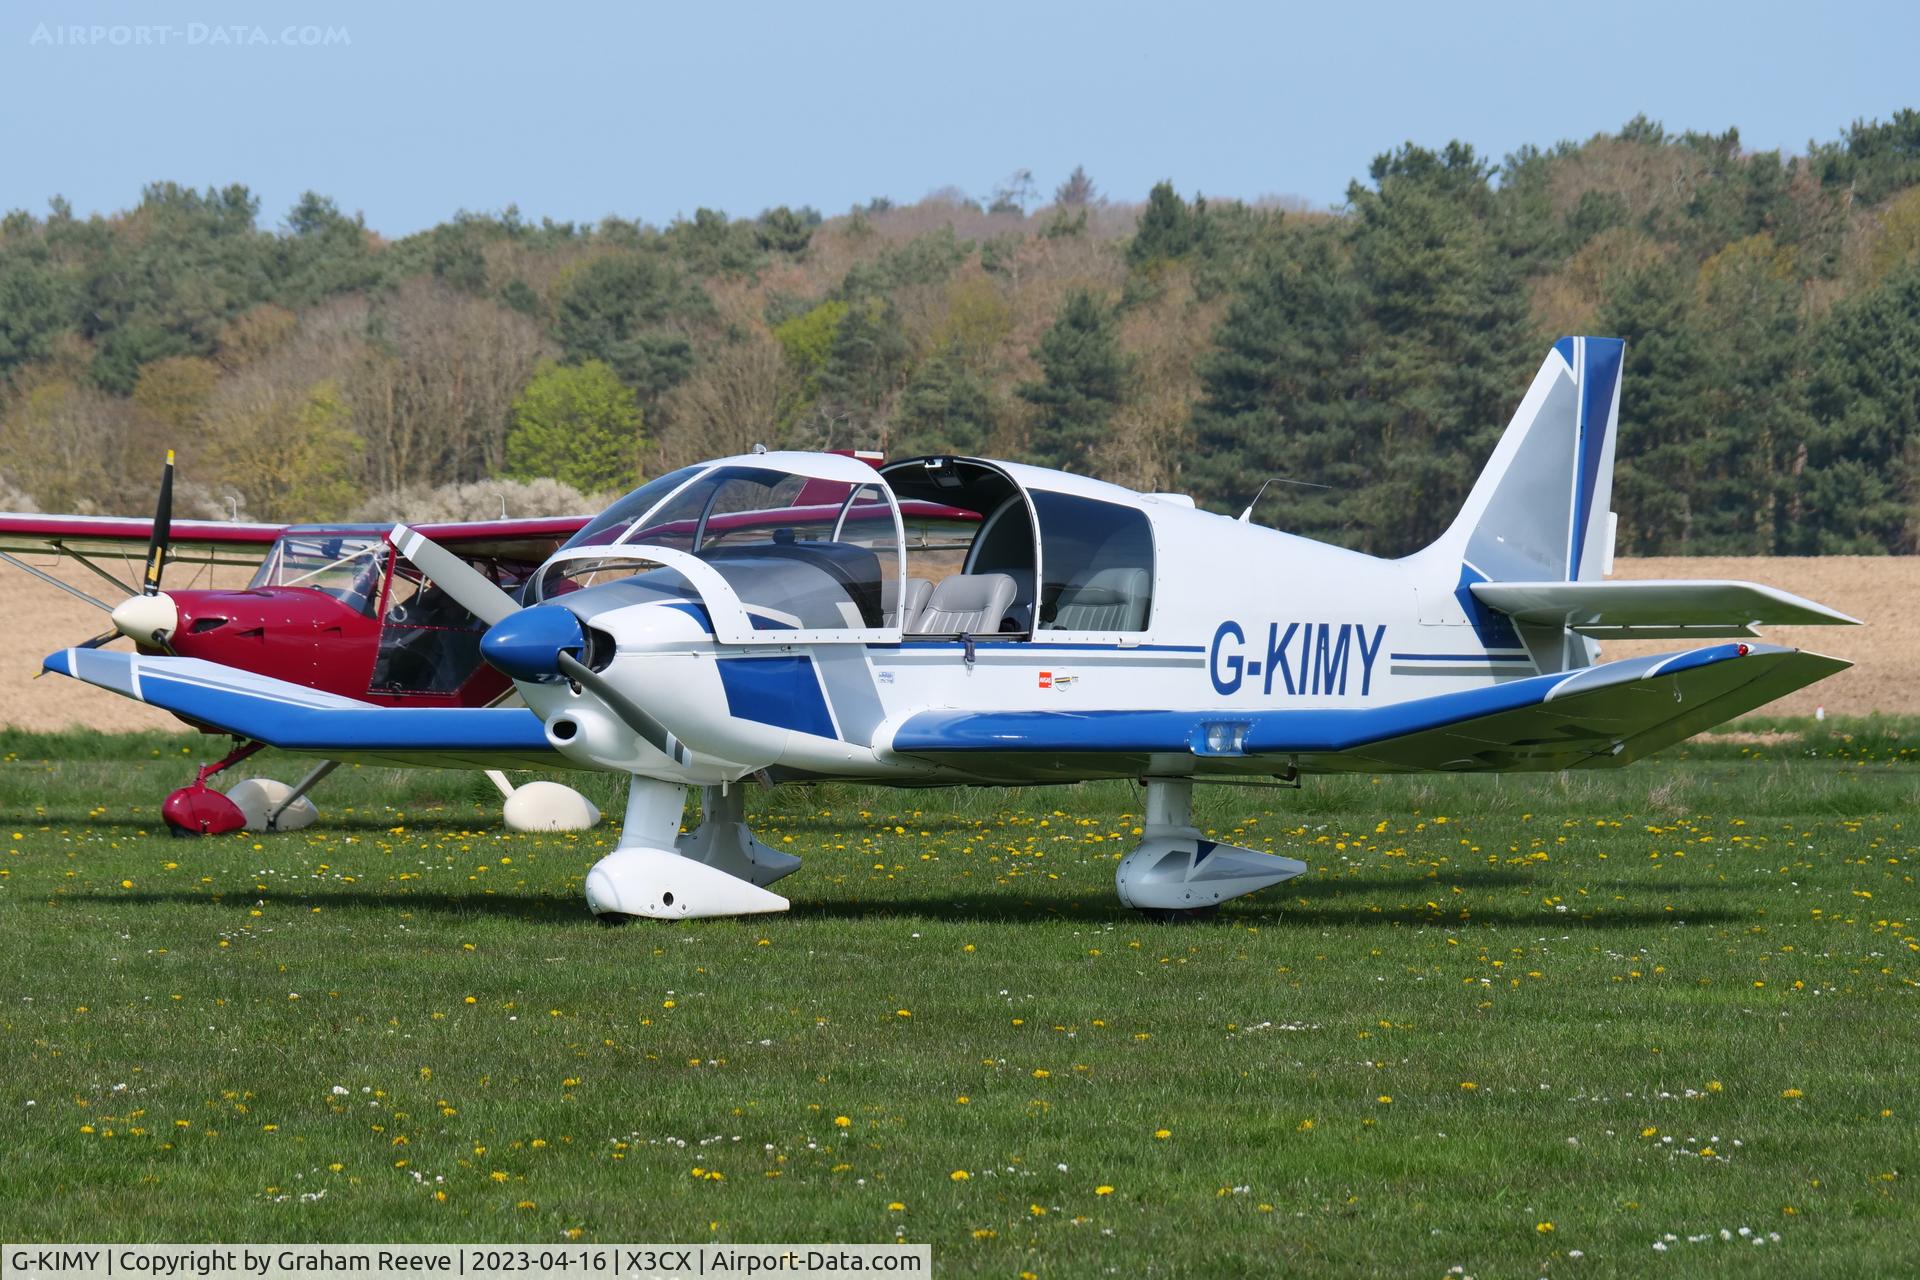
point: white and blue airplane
(789, 617)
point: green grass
(1675, 1000)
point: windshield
(800, 552)
(617, 519)
(346, 567)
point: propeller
(478, 595)
(472, 589)
(150, 617)
(160, 545)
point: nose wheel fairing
(717, 870)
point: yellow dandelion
(959, 1175)
(1163, 1133)
(841, 1122)
(1543, 1227)
(1103, 1190)
(498, 1175)
(1791, 1093)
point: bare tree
(730, 403)
(433, 395)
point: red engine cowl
(199, 810)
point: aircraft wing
(194, 541)
(1599, 717)
(532, 538)
(309, 722)
(1655, 609)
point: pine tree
(1085, 380)
(1078, 191)
(1663, 390)
(1446, 361)
(945, 409)
(1277, 397)
(1862, 469)
(1166, 228)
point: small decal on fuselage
(1300, 659)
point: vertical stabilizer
(1540, 510)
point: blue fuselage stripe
(1267, 732)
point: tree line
(1370, 354)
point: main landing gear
(265, 804)
(253, 804)
(718, 869)
(1176, 873)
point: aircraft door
(429, 644)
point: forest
(1366, 356)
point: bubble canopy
(782, 546)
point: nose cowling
(527, 645)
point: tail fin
(1539, 512)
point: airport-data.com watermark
(217, 35)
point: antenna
(1246, 517)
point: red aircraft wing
(533, 538)
(194, 541)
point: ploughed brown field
(1882, 591)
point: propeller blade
(161, 543)
(105, 637)
(651, 731)
(466, 584)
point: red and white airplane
(331, 607)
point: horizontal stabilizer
(1655, 610)
(296, 718)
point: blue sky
(651, 110)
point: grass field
(1658, 1022)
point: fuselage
(1241, 618)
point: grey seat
(1114, 599)
(966, 604)
(901, 607)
